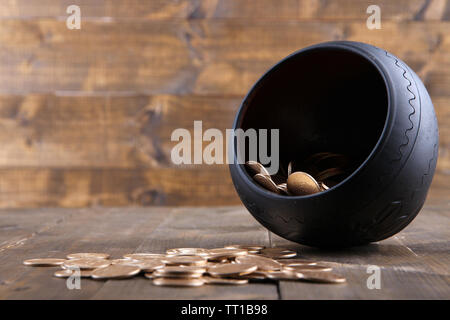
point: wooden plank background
(86, 115)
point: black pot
(351, 98)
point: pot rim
(387, 128)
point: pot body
(388, 189)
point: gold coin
(300, 184)
(263, 263)
(266, 182)
(220, 254)
(125, 261)
(212, 280)
(323, 186)
(65, 273)
(229, 251)
(282, 275)
(296, 262)
(163, 274)
(257, 275)
(212, 263)
(182, 270)
(149, 275)
(256, 168)
(44, 262)
(323, 277)
(282, 187)
(146, 265)
(301, 268)
(88, 255)
(289, 169)
(278, 253)
(173, 282)
(184, 260)
(328, 173)
(149, 266)
(115, 271)
(142, 256)
(246, 247)
(231, 269)
(86, 263)
(188, 252)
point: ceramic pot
(355, 99)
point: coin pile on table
(193, 267)
(319, 172)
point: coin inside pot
(266, 182)
(257, 168)
(300, 183)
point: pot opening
(321, 100)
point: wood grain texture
(86, 115)
(115, 187)
(128, 131)
(77, 231)
(214, 57)
(225, 9)
(412, 259)
(122, 131)
(414, 263)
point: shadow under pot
(348, 98)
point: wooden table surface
(414, 263)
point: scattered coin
(323, 277)
(301, 268)
(283, 275)
(181, 270)
(185, 260)
(231, 269)
(115, 271)
(214, 280)
(65, 273)
(296, 262)
(262, 263)
(88, 255)
(256, 275)
(149, 266)
(125, 261)
(188, 252)
(300, 184)
(162, 274)
(278, 253)
(220, 254)
(141, 256)
(233, 264)
(146, 265)
(86, 263)
(44, 262)
(249, 247)
(173, 282)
